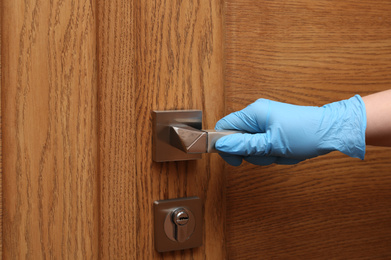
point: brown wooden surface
(179, 66)
(1, 162)
(308, 53)
(117, 154)
(167, 56)
(61, 126)
(80, 179)
(50, 191)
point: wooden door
(49, 131)
(80, 78)
(308, 53)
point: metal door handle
(178, 136)
(192, 140)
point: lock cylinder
(178, 224)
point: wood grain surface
(156, 55)
(80, 179)
(49, 112)
(117, 140)
(76, 121)
(1, 161)
(179, 65)
(308, 53)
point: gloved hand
(287, 134)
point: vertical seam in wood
(98, 109)
(133, 82)
(135, 5)
(223, 8)
(1, 143)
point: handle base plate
(163, 151)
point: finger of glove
(239, 120)
(233, 160)
(288, 161)
(261, 160)
(267, 160)
(244, 144)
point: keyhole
(179, 224)
(180, 218)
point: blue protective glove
(287, 134)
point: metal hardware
(178, 136)
(188, 139)
(180, 217)
(191, 140)
(178, 224)
(163, 151)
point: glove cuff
(354, 124)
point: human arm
(287, 134)
(378, 109)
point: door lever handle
(193, 141)
(178, 136)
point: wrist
(350, 123)
(378, 110)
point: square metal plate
(163, 210)
(163, 151)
